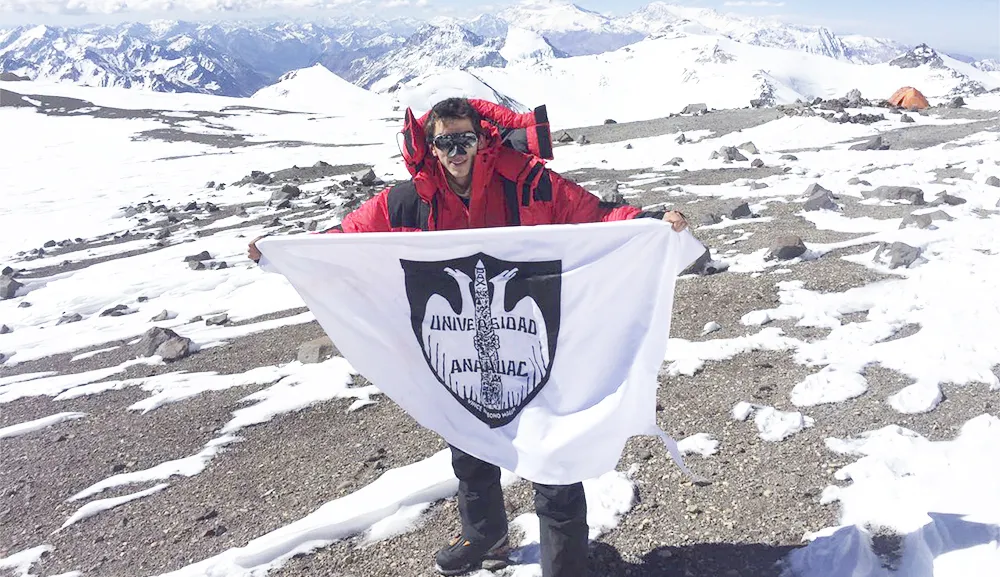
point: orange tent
(909, 98)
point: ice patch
(688, 357)
(38, 424)
(20, 563)
(699, 444)
(95, 507)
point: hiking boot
(462, 556)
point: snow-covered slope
(317, 89)
(720, 72)
(522, 44)
(570, 28)
(423, 92)
(433, 48)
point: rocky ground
(761, 499)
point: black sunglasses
(455, 141)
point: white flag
(534, 348)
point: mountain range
(239, 58)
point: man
(468, 173)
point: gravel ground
(761, 499)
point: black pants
(561, 509)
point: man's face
(455, 144)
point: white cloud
(394, 3)
(754, 3)
(120, 6)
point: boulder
(709, 219)
(873, 144)
(704, 265)
(854, 98)
(4, 330)
(757, 163)
(196, 265)
(741, 211)
(855, 180)
(906, 118)
(956, 102)
(217, 265)
(203, 255)
(731, 153)
(675, 161)
(164, 233)
(819, 198)
(210, 184)
(23, 304)
(681, 139)
(283, 204)
(749, 148)
(116, 311)
(786, 248)
(628, 146)
(610, 121)
(49, 244)
(788, 157)
(209, 207)
(152, 339)
(910, 193)
(7, 271)
(316, 350)
(584, 139)
(163, 316)
(924, 220)
(608, 191)
(292, 191)
(897, 255)
(945, 198)
(757, 185)
(699, 108)
(366, 177)
(564, 137)
(174, 349)
(69, 318)
(217, 320)
(8, 287)
(191, 206)
(993, 181)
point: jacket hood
(527, 132)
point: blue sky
(964, 26)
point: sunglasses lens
(459, 140)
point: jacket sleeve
(371, 216)
(573, 204)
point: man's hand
(252, 251)
(676, 219)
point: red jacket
(509, 187)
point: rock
(757, 185)
(786, 248)
(898, 254)
(196, 265)
(924, 220)
(209, 207)
(69, 318)
(628, 146)
(316, 350)
(366, 177)
(259, 177)
(788, 157)
(283, 204)
(906, 118)
(191, 206)
(700, 264)
(681, 139)
(749, 148)
(5, 330)
(741, 211)
(675, 161)
(564, 137)
(608, 192)
(873, 144)
(700, 108)
(819, 198)
(163, 316)
(854, 98)
(116, 311)
(731, 153)
(709, 219)
(945, 198)
(711, 328)
(7, 271)
(956, 102)
(217, 320)
(584, 139)
(152, 339)
(210, 184)
(993, 181)
(174, 349)
(49, 244)
(9, 288)
(22, 304)
(163, 234)
(203, 255)
(217, 265)
(322, 164)
(855, 180)
(910, 193)
(715, 155)
(610, 121)
(757, 163)
(292, 191)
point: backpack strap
(407, 209)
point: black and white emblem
(488, 328)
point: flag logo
(488, 329)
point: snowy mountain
(317, 89)
(431, 48)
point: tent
(909, 98)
